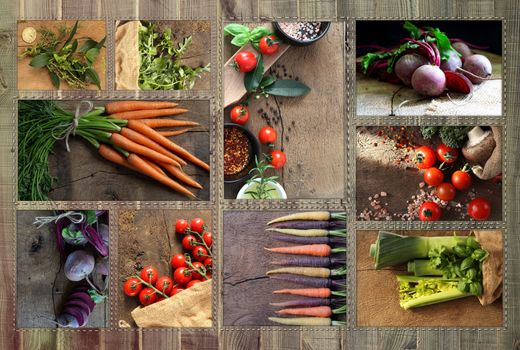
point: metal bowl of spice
(301, 33)
(240, 149)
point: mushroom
(484, 148)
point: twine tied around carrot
(75, 122)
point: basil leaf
(55, 80)
(252, 79)
(240, 40)
(236, 29)
(40, 61)
(259, 32)
(414, 31)
(289, 88)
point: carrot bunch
(317, 261)
(127, 136)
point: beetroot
(429, 80)
(479, 68)
(457, 82)
(462, 48)
(406, 66)
(79, 265)
(452, 63)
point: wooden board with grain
(310, 128)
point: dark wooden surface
(83, 175)
(41, 284)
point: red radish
(429, 80)
(452, 63)
(406, 66)
(458, 82)
(477, 68)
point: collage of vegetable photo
(62, 269)
(165, 268)
(421, 67)
(271, 95)
(296, 275)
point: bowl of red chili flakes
(240, 149)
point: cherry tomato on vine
(132, 287)
(178, 260)
(239, 114)
(479, 209)
(188, 242)
(424, 157)
(164, 284)
(192, 283)
(245, 61)
(433, 176)
(147, 296)
(181, 225)
(446, 191)
(447, 154)
(461, 180)
(182, 275)
(197, 225)
(198, 266)
(268, 45)
(278, 159)
(199, 253)
(208, 238)
(149, 274)
(267, 135)
(176, 290)
(429, 211)
(208, 262)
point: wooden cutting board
(30, 78)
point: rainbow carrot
(311, 292)
(308, 249)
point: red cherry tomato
(178, 260)
(429, 211)
(164, 284)
(479, 209)
(192, 283)
(447, 154)
(446, 191)
(198, 266)
(197, 225)
(461, 180)
(267, 135)
(208, 238)
(182, 275)
(268, 45)
(245, 61)
(188, 242)
(424, 157)
(181, 225)
(278, 159)
(149, 274)
(147, 296)
(176, 290)
(239, 114)
(433, 176)
(199, 253)
(208, 262)
(132, 287)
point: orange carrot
(306, 292)
(173, 132)
(317, 311)
(181, 175)
(155, 166)
(125, 106)
(145, 141)
(142, 166)
(148, 113)
(154, 135)
(167, 122)
(131, 146)
(308, 249)
(113, 156)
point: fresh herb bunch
(161, 67)
(262, 190)
(65, 59)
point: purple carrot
(59, 238)
(94, 238)
(316, 282)
(310, 302)
(311, 261)
(304, 225)
(310, 240)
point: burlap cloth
(127, 56)
(492, 267)
(189, 308)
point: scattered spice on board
(304, 31)
(236, 151)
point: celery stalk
(423, 267)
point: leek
(392, 249)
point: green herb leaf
(266, 81)
(40, 61)
(467, 263)
(91, 216)
(240, 40)
(252, 79)
(235, 29)
(93, 76)
(87, 45)
(443, 43)
(92, 54)
(72, 33)
(259, 32)
(101, 43)
(289, 88)
(54, 79)
(74, 46)
(414, 31)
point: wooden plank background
(241, 10)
